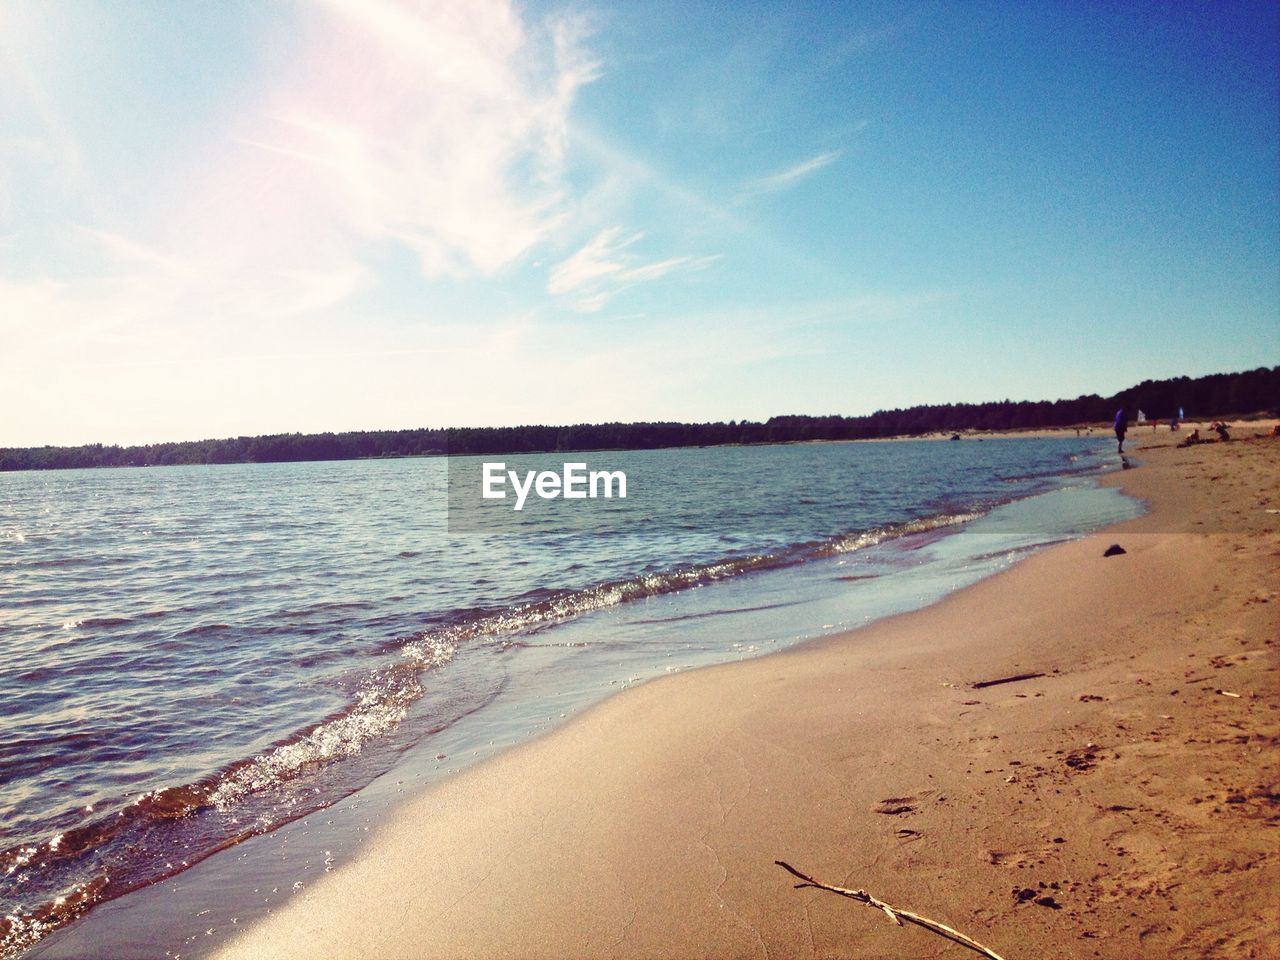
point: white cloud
(439, 125)
(598, 259)
(785, 178)
(603, 267)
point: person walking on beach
(1121, 424)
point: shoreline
(1122, 780)
(546, 683)
(601, 749)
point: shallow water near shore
(197, 656)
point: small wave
(336, 606)
(895, 531)
(381, 703)
(716, 613)
(55, 562)
(20, 930)
(1015, 551)
(1075, 470)
(543, 607)
(104, 621)
(204, 628)
(20, 933)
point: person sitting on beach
(1193, 439)
(1220, 429)
(1121, 425)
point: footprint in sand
(898, 806)
(895, 806)
(1030, 856)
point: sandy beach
(1124, 803)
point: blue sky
(237, 218)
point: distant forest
(1219, 395)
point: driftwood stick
(894, 913)
(1014, 679)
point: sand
(1125, 804)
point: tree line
(1217, 395)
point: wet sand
(1126, 803)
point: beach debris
(1028, 895)
(1085, 760)
(1013, 679)
(1114, 550)
(896, 914)
(1228, 693)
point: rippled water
(192, 655)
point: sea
(216, 660)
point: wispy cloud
(604, 266)
(48, 141)
(785, 178)
(440, 125)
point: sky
(230, 218)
